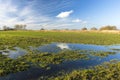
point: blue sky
(60, 14)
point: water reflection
(57, 47)
(63, 46)
(17, 52)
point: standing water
(34, 73)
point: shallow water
(35, 73)
(56, 47)
(17, 52)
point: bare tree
(20, 27)
(4, 27)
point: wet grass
(8, 65)
(23, 39)
(106, 71)
(42, 60)
(102, 53)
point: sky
(60, 14)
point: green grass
(8, 65)
(102, 53)
(24, 39)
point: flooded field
(59, 40)
(29, 55)
(96, 55)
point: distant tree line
(108, 27)
(5, 28)
(23, 27)
(16, 27)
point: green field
(37, 38)
(23, 39)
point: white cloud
(10, 14)
(5, 7)
(25, 11)
(26, 15)
(77, 20)
(64, 14)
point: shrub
(108, 28)
(84, 28)
(93, 28)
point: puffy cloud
(64, 14)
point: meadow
(37, 38)
(24, 39)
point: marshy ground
(48, 60)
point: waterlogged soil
(96, 55)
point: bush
(93, 28)
(84, 28)
(108, 28)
